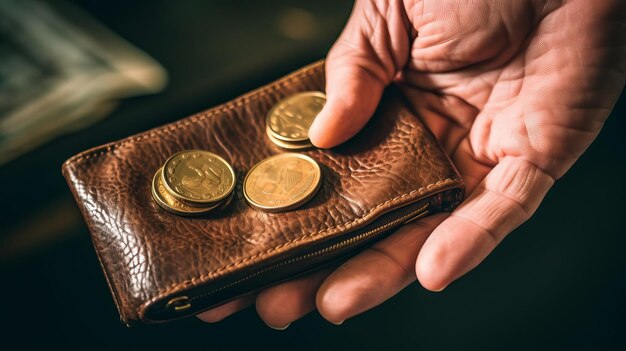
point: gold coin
(299, 145)
(282, 182)
(291, 118)
(169, 203)
(198, 178)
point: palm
(515, 91)
(482, 97)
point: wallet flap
(148, 253)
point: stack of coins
(193, 182)
(288, 122)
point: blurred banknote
(60, 70)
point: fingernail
(316, 130)
(278, 328)
(312, 133)
(338, 323)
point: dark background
(558, 282)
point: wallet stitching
(192, 281)
(199, 117)
(265, 270)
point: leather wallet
(160, 266)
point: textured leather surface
(149, 255)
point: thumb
(352, 96)
(362, 62)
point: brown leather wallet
(160, 266)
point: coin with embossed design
(164, 199)
(282, 182)
(198, 178)
(290, 119)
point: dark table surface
(558, 282)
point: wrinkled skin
(515, 91)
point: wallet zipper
(408, 218)
(183, 303)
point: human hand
(515, 91)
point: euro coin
(290, 119)
(198, 178)
(169, 203)
(282, 182)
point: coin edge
(269, 113)
(165, 206)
